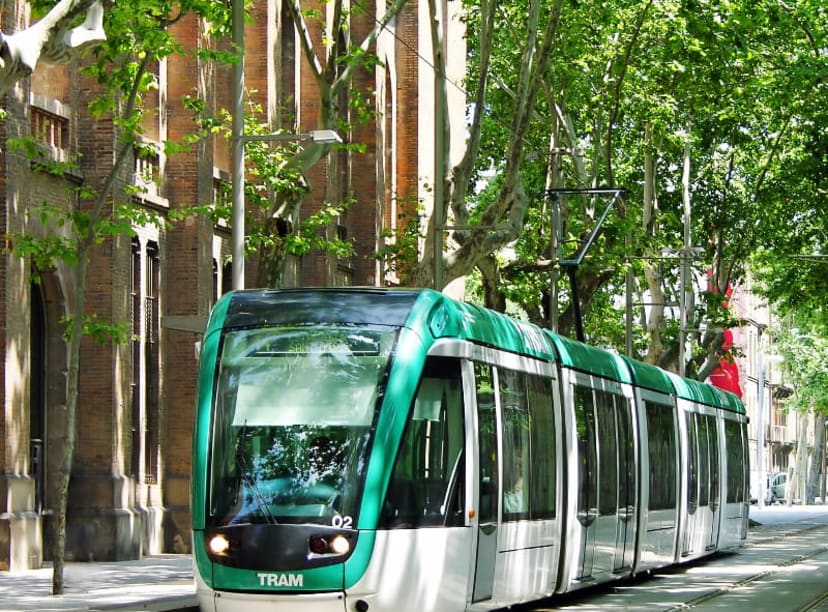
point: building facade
(773, 431)
(129, 488)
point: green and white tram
(393, 449)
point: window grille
(151, 347)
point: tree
(678, 104)
(503, 218)
(803, 342)
(138, 35)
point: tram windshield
(293, 410)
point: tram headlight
(336, 545)
(340, 545)
(219, 544)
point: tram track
(782, 568)
(819, 603)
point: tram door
(627, 485)
(715, 482)
(703, 485)
(607, 482)
(488, 483)
(660, 469)
(735, 509)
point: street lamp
(239, 138)
(314, 136)
(760, 435)
(237, 242)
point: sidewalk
(780, 513)
(160, 582)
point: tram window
(736, 460)
(587, 457)
(516, 460)
(543, 448)
(607, 454)
(713, 440)
(662, 455)
(528, 446)
(704, 460)
(626, 454)
(426, 487)
(692, 461)
(487, 434)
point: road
(783, 567)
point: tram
(360, 449)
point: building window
(146, 323)
(151, 352)
(222, 202)
(227, 277)
(135, 334)
(216, 294)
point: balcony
(51, 131)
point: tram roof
(704, 393)
(652, 377)
(585, 358)
(649, 376)
(421, 309)
(447, 317)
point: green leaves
(124, 66)
(100, 331)
(736, 82)
(803, 342)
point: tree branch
(50, 39)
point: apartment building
(773, 431)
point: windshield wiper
(249, 481)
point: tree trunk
(271, 266)
(815, 474)
(72, 393)
(796, 482)
(652, 268)
(824, 477)
(490, 277)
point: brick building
(129, 490)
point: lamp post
(239, 138)
(760, 421)
(237, 246)
(237, 129)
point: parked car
(777, 489)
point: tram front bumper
(226, 601)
